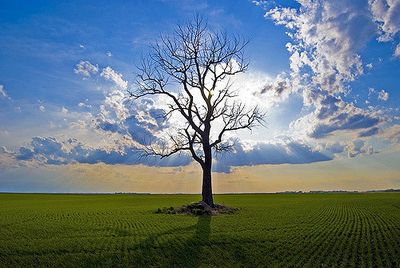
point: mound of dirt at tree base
(198, 209)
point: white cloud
(85, 105)
(64, 110)
(333, 114)
(397, 51)
(277, 89)
(251, 84)
(369, 132)
(392, 133)
(371, 91)
(326, 38)
(86, 68)
(7, 158)
(50, 150)
(109, 74)
(383, 95)
(358, 147)
(115, 101)
(54, 151)
(386, 13)
(135, 122)
(286, 151)
(259, 2)
(3, 93)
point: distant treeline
(339, 191)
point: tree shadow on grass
(170, 249)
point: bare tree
(201, 62)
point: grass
(269, 230)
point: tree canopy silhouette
(202, 63)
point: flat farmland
(269, 230)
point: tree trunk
(207, 187)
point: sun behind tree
(202, 63)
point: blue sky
(65, 68)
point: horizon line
(227, 193)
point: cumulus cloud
(397, 51)
(326, 36)
(383, 95)
(392, 133)
(332, 114)
(358, 147)
(380, 94)
(371, 91)
(3, 93)
(285, 152)
(259, 88)
(347, 149)
(84, 105)
(7, 158)
(86, 68)
(3, 150)
(386, 13)
(137, 121)
(109, 74)
(49, 150)
(64, 110)
(134, 121)
(140, 122)
(332, 148)
(259, 2)
(280, 88)
(369, 132)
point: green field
(269, 230)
